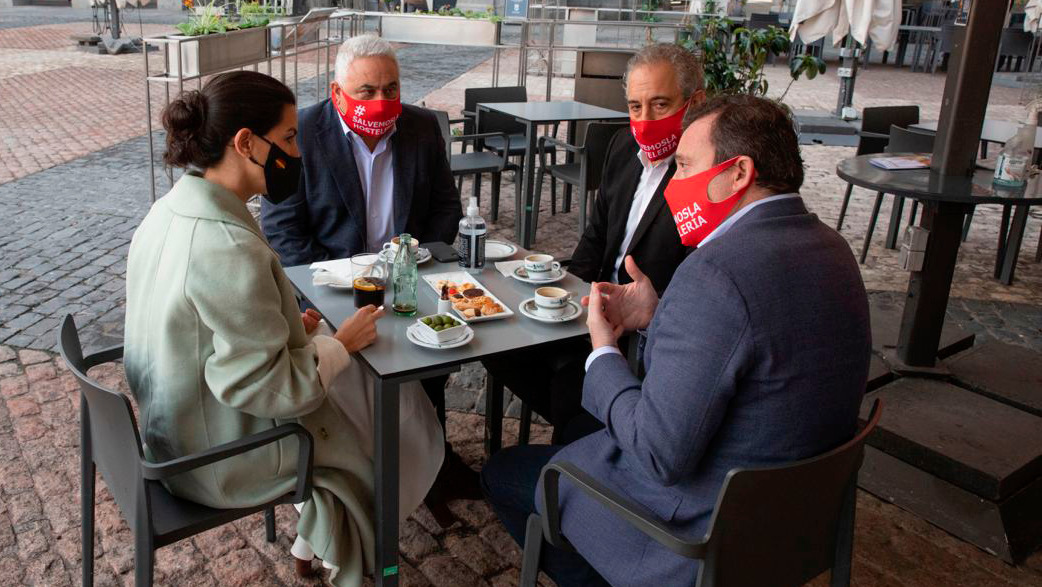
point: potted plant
(446, 26)
(210, 42)
(733, 58)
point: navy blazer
(326, 218)
(757, 355)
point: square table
(393, 360)
(533, 114)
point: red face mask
(695, 216)
(658, 139)
(371, 118)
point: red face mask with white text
(371, 118)
(695, 216)
(658, 139)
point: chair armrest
(113, 353)
(459, 120)
(873, 135)
(305, 458)
(474, 138)
(468, 113)
(635, 515)
(543, 141)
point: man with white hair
(373, 169)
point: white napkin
(334, 272)
(507, 267)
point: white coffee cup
(414, 245)
(540, 265)
(552, 301)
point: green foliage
(255, 14)
(447, 11)
(210, 19)
(647, 7)
(733, 58)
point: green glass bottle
(404, 276)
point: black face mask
(281, 173)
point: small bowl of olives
(442, 327)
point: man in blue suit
(757, 354)
(373, 168)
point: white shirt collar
(729, 222)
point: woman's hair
(200, 123)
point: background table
(946, 200)
(393, 360)
(993, 131)
(533, 114)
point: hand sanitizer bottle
(471, 248)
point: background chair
(902, 140)
(874, 136)
(109, 440)
(515, 143)
(780, 526)
(584, 173)
(1015, 43)
(463, 164)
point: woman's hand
(311, 318)
(359, 331)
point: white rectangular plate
(464, 277)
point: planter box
(207, 54)
(439, 30)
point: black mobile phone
(442, 252)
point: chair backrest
(115, 444)
(949, 33)
(1015, 42)
(878, 120)
(757, 21)
(906, 140)
(446, 130)
(494, 121)
(598, 138)
(780, 526)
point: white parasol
(877, 20)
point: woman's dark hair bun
(184, 120)
(200, 123)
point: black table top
(560, 111)
(393, 356)
(923, 184)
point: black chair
(762, 21)
(942, 45)
(780, 526)
(516, 142)
(109, 440)
(584, 174)
(902, 140)
(1015, 43)
(463, 164)
(874, 136)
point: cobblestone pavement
(74, 184)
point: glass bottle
(404, 276)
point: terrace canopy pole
(955, 151)
(114, 18)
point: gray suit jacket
(757, 355)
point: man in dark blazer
(629, 217)
(373, 169)
(404, 179)
(757, 354)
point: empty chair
(762, 21)
(902, 140)
(874, 136)
(475, 164)
(779, 526)
(109, 441)
(584, 173)
(1015, 44)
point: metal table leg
(1000, 252)
(385, 469)
(493, 415)
(896, 212)
(928, 289)
(1013, 242)
(524, 211)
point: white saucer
(499, 250)
(521, 275)
(414, 336)
(422, 256)
(528, 309)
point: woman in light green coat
(216, 347)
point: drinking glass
(370, 275)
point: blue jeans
(509, 481)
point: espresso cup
(541, 265)
(552, 301)
(393, 246)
